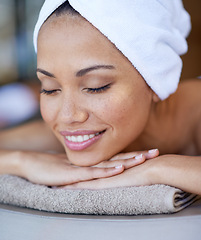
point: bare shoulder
(188, 97)
(190, 94)
(187, 102)
(190, 88)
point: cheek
(126, 112)
(48, 109)
(115, 110)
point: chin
(83, 163)
(86, 160)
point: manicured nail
(119, 166)
(138, 156)
(152, 150)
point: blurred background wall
(17, 57)
(19, 88)
(192, 60)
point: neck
(157, 133)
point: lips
(81, 140)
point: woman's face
(92, 98)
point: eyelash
(98, 90)
(49, 92)
(89, 90)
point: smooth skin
(31, 151)
(54, 169)
(120, 104)
(128, 111)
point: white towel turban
(151, 34)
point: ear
(155, 97)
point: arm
(34, 136)
(49, 169)
(56, 170)
(183, 172)
(24, 153)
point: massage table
(26, 224)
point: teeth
(86, 137)
(74, 139)
(81, 138)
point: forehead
(66, 27)
(73, 32)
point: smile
(81, 138)
(79, 141)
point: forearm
(10, 162)
(183, 172)
(34, 136)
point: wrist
(166, 169)
(11, 162)
(157, 170)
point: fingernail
(119, 166)
(152, 150)
(138, 156)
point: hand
(56, 170)
(179, 171)
(125, 159)
(135, 175)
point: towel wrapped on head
(151, 34)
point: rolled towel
(151, 34)
(155, 199)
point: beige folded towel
(153, 199)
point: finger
(128, 155)
(89, 173)
(151, 153)
(130, 159)
(148, 154)
(127, 163)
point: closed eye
(50, 92)
(98, 90)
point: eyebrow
(84, 71)
(45, 72)
(81, 72)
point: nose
(72, 110)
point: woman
(102, 97)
